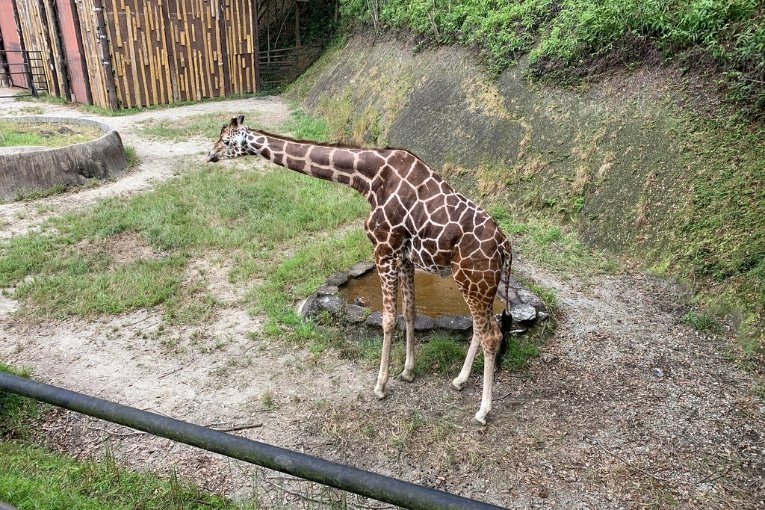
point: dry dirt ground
(627, 407)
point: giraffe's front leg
(459, 382)
(406, 272)
(386, 267)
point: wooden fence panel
(157, 52)
(241, 20)
(68, 23)
(179, 50)
(91, 48)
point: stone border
(527, 308)
(25, 170)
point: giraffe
(417, 220)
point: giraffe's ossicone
(417, 221)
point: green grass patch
(85, 286)
(701, 321)
(306, 127)
(250, 215)
(553, 245)
(203, 125)
(16, 411)
(42, 98)
(32, 477)
(300, 274)
(19, 134)
(442, 354)
(31, 110)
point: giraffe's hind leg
(388, 271)
(479, 288)
(406, 273)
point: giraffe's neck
(354, 167)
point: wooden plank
(135, 99)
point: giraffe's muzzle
(212, 157)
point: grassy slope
(568, 39)
(713, 236)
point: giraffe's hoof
(457, 385)
(479, 420)
(380, 394)
(408, 377)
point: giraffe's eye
(225, 142)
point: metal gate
(23, 69)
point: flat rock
(454, 322)
(332, 303)
(374, 319)
(337, 279)
(360, 268)
(529, 298)
(327, 290)
(421, 323)
(309, 307)
(523, 313)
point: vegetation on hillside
(571, 39)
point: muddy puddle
(434, 296)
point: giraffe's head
(232, 142)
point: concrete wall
(26, 171)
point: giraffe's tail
(506, 321)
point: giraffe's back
(433, 224)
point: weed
(132, 156)
(48, 192)
(701, 321)
(267, 400)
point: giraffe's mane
(330, 144)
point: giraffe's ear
(240, 120)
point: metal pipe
(365, 483)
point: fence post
(30, 76)
(106, 58)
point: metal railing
(31, 67)
(332, 474)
